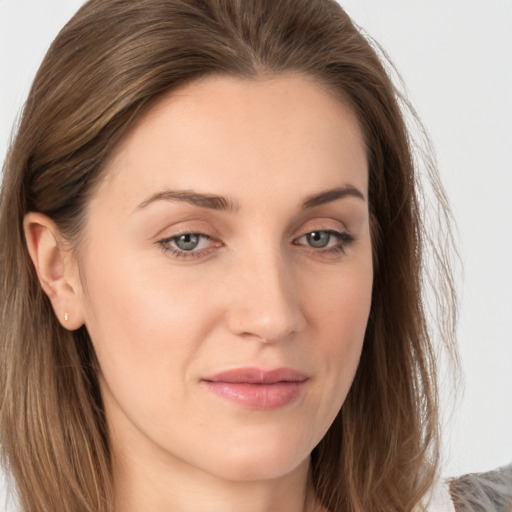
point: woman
(211, 295)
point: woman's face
(227, 276)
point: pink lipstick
(256, 388)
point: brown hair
(108, 65)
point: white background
(456, 58)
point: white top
(439, 500)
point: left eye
(325, 239)
(318, 239)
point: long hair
(108, 66)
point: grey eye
(187, 242)
(318, 239)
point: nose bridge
(265, 303)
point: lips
(256, 388)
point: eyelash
(345, 239)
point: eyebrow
(210, 201)
(333, 195)
(215, 202)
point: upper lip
(253, 375)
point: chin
(258, 470)
(259, 460)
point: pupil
(318, 239)
(187, 242)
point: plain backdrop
(455, 57)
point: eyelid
(183, 226)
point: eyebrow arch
(215, 202)
(210, 201)
(332, 195)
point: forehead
(223, 133)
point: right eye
(187, 242)
(188, 245)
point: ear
(56, 268)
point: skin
(254, 292)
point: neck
(144, 488)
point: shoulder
(483, 492)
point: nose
(264, 300)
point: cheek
(339, 316)
(147, 328)
(340, 306)
(143, 323)
(339, 310)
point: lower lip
(258, 396)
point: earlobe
(56, 269)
